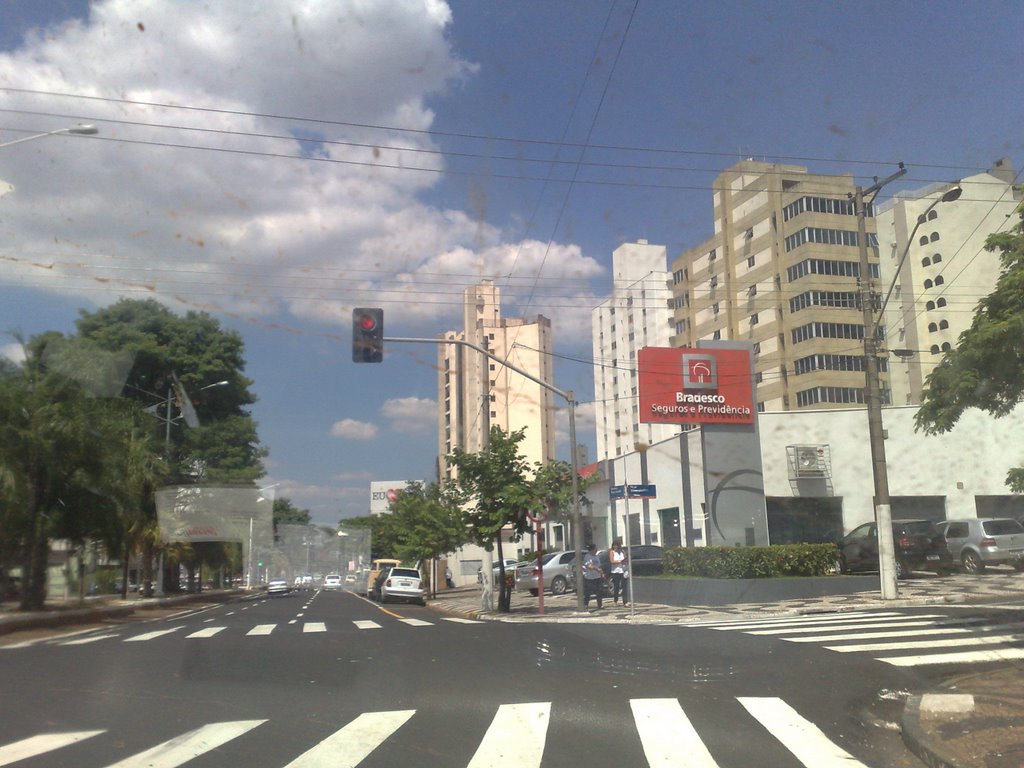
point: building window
(932, 327)
(930, 306)
(936, 258)
(750, 261)
(716, 335)
(827, 267)
(935, 349)
(759, 377)
(933, 214)
(838, 299)
(754, 319)
(926, 262)
(712, 254)
(946, 346)
(752, 290)
(760, 407)
(940, 303)
(757, 347)
(714, 308)
(825, 236)
(927, 284)
(714, 281)
(923, 240)
(943, 325)
(939, 279)
(934, 237)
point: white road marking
(84, 640)
(802, 619)
(964, 657)
(461, 621)
(314, 626)
(261, 629)
(365, 624)
(516, 737)
(801, 737)
(667, 734)
(181, 749)
(417, 622)
(349, 746)
(908, 645)
(912, 632)
(41, 744)
(150, 635)
(896, 621)
(208, 632)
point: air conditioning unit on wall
(810, 469)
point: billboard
(383, 492)
(695, 386)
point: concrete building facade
(938, 275)
(782, 272)
(636, 315)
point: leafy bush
(751, 562)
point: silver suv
(557, 573)
(977, 543)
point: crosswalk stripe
(457, 620)
(803, 738)
(666, 734)
(908, 645)
(910, 632)
(963, 657)
(314, 626)
(262, 629)
(364, 624)
(922, 621)
(150, 635)
(84, 640)
(846, 616)
(208, 632)
(181, 749)
(417, 622)
(41, 744)
(347, 748)
(516, 737)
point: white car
(332, 581)
(402, 584)
(278, 587)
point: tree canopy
(986, 368)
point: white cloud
(261, 223)
(14, 352)
(350, 429)
(410, 414)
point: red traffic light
(367, 322)
(367, 335)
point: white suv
(332, 581)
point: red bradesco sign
(695, 386)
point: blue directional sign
(642, 491)
(617, 492)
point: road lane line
(41, 744)
(516, 737)
(667, 734)
(929, 622)
(801, 737)
(261, 629)
(417, 622)
(919, 632)
(84, 640)
(366, 624)
(963, 657)
(349, 746)
(150, 635)
(181, 749)
(460, 621)
(208, 632)
(804, 619)
(314, 626)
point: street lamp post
(872, 383)
(76, 130)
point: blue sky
(543, 134)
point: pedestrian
(448, 578)
(619, 572)
(593, 576)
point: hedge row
(751, 562)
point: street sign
(617, 492)
(642, 491)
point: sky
(278, 163)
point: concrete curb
(917, 740)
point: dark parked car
(919, 546)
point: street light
(872, 382)
(77, 130)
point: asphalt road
(328, 678)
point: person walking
(593, 577)
(619, 572)
(448, 578)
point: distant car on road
(278, 587)
(980, 542)
(402, 584)
(332, 581)
(919, 546)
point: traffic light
(367, 335)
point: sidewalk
(973, 721)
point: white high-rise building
(636, 315)
(945, 269)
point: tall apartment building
(636, 315)
(945, 268)
(466, 379)
(781, 271)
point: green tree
(495, 489)
(986, 368)
(427, 524)
(286, 513)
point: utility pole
(873, 396)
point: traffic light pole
(577, 515)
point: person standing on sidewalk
(619, 574)
(593, 576)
